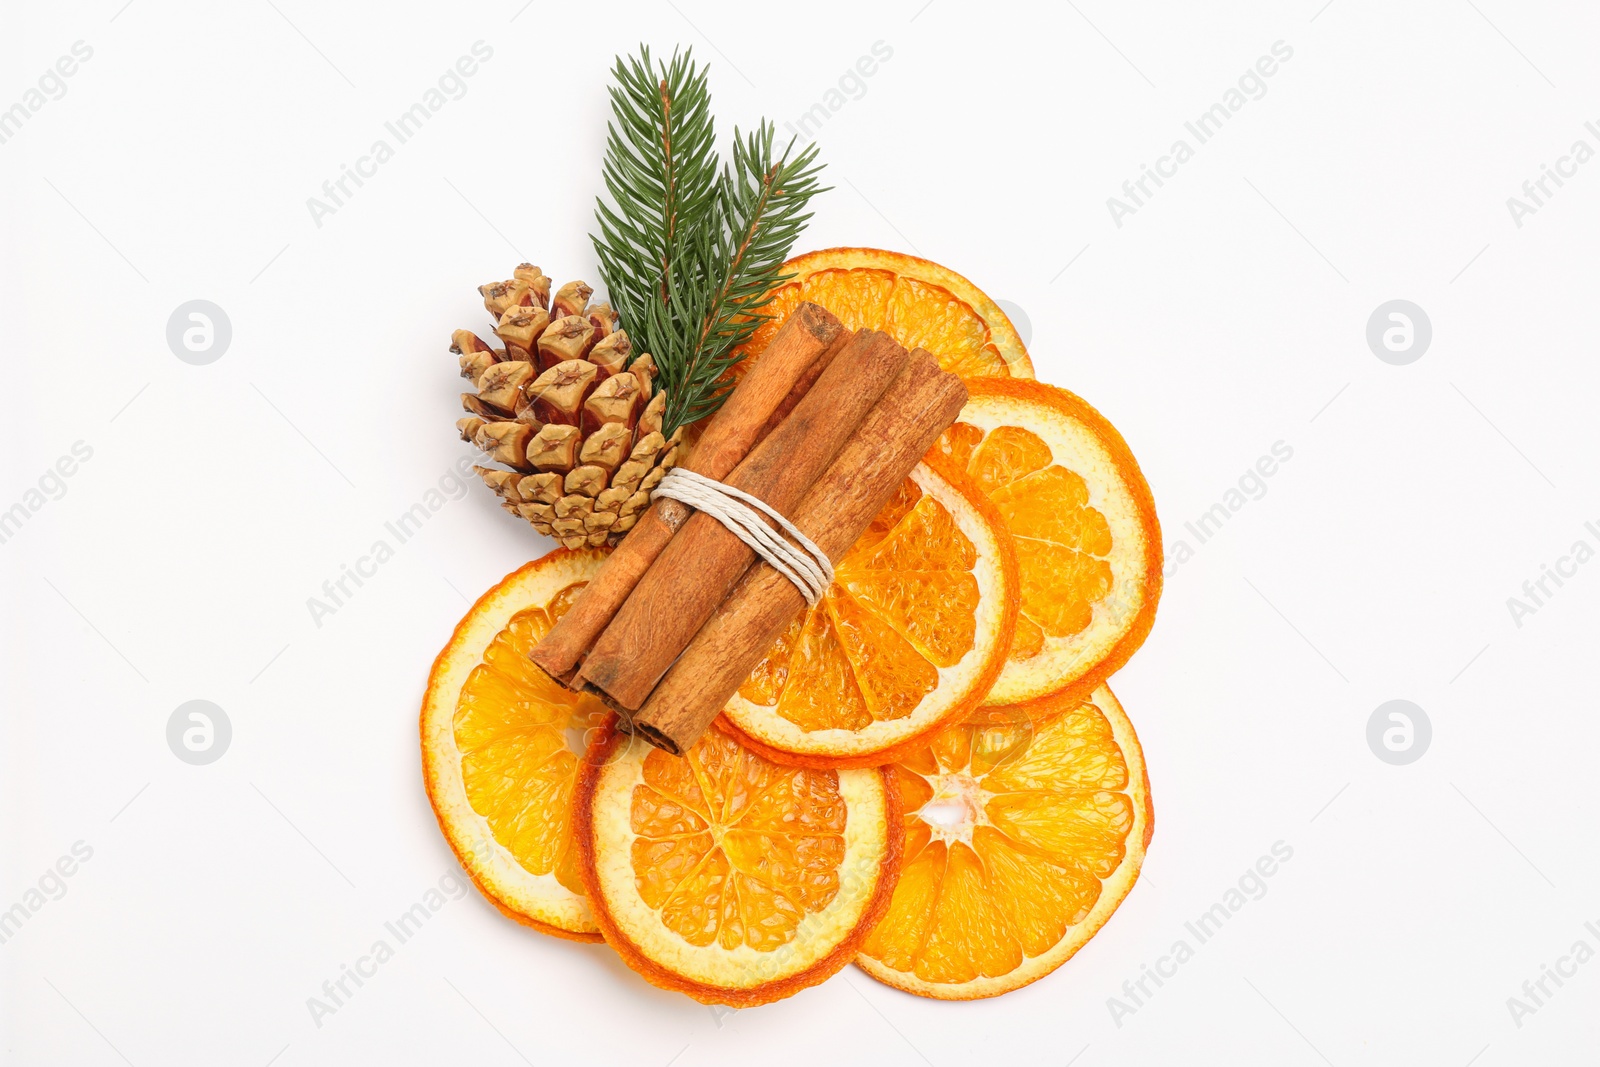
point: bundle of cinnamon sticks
(824, 427)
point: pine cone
(565, 407)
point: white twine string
(801, 561)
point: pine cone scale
(566, 406)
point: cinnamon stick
(798, 391)
(921, 403)
(698, 568)
(782, 373)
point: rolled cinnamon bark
(785, 371)
(797, 393)
(700, 566)
(918, 407)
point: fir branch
(660, 172)
(760, 211)
(690, 256)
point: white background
(1224, 316)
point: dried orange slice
(501, 744)
(1022, 838)
(917, 302)
(1088, 543)
(910, 636)
(728, 877)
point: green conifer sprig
(688, 254)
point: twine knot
(797, 559)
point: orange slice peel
(730, 878)
(1022, 838)
(501, 745)
(1084, 524)
(910, 636)
(916, 301)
